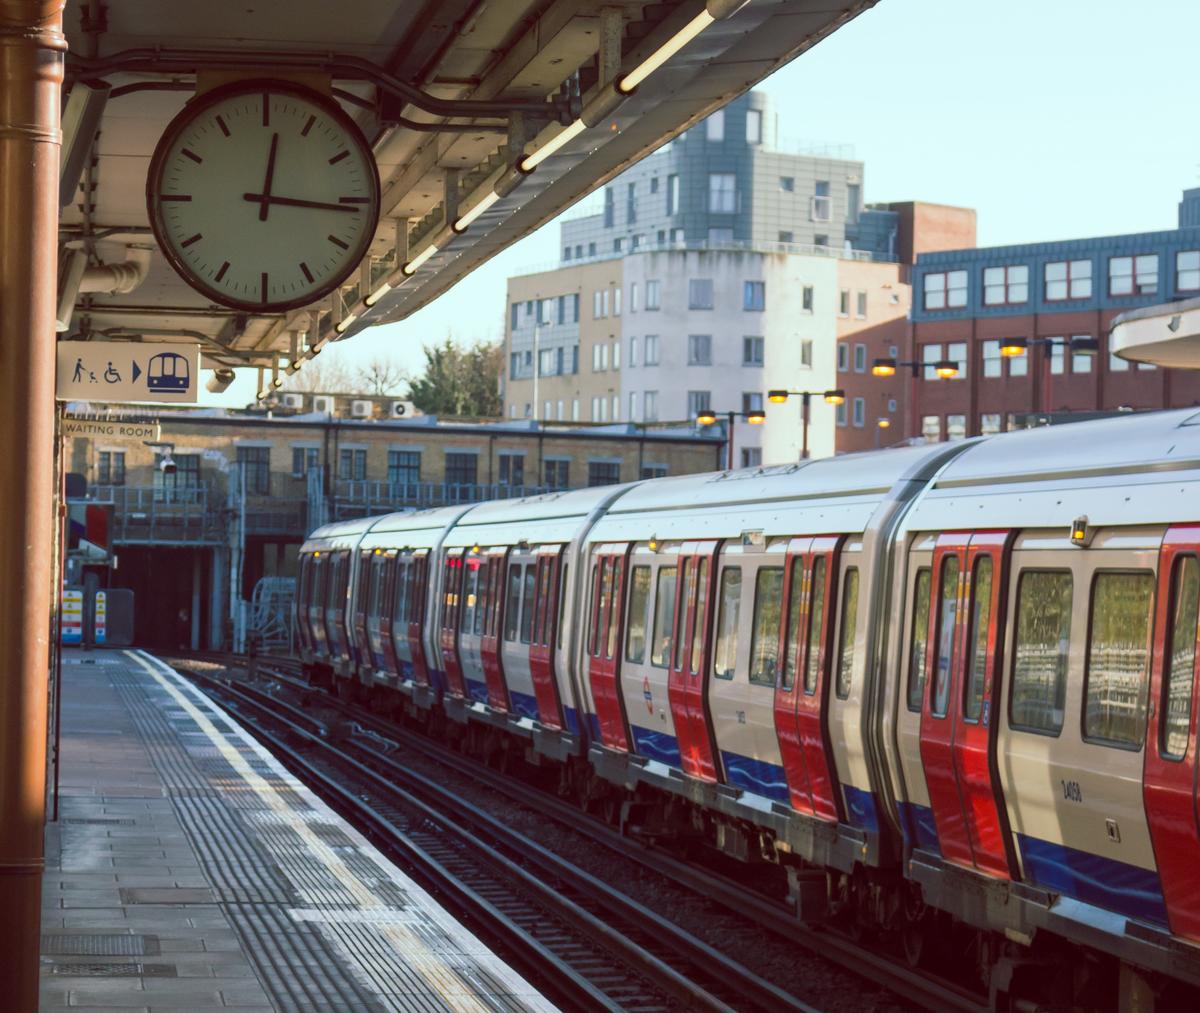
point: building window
(699, 349)
(512, 469)
(1133, 275)
(786, 237)
(754, 295)
(945, 290)
(698, 401)
(860, 358)
(787, 184)
(1116, 364)
(304, 460)
(633, 406)
(806, 353)
(609, 207)
(596, 314)
(654, 471)
(578, 251)
(853, 202)
(700, 294)
(1081, 362)
(956, 427)
(714, 126)
(931, 428)
(650, 406)
(1068, 279)
(752, 401)
(556, 473)
(633, 297)
(751, 458)
(677, 237)
(352, 464)
(632, 352)
(753, 126)
(860, 305)
(461, 469)
(591, 249)
(256, 469)
(956, 352)
(1187, 270)
(616, 301)
(843, 353)
(720, 237)
(993, 362)
(841, 414)
(844, 303)
(514, 310)
(929, 355)
(631, 203)
(752, 351)
(672, 194)
(1057, 355)
(574, 409)
(603, 473)
(617, 244)
(650, 348)
(404, 467)
(860, 411)
(616, 354)
(653, 295)
(1005, 285)
(722, 192)
(187, 475)
(1018, 365)
(820, 239)
(806, 299)
(989, 423)
(821, 207)
(111, 468)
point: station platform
(190, 870)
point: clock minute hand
(295, 202)
(266, 194)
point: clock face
(263, 195)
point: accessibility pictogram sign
(128, 371)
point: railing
(145, 514)
(276, 516)
(363, 498)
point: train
(943, 688)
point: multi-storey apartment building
(719, 267)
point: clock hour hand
(266, 194)
(265, 198)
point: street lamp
(707, 417)
(944, 368)
(1080, 344)
(835, 396)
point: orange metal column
(31, 72)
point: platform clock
(263, 195)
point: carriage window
(764, 639)
(816, 626)
(470, 596)
(684, 601)
(981, 612)
(562, 603)
(664, 610)
(604, 613)
(639, 595)
(791, 657)
(375, 583)
(512, 604)
(614, 615)
(849, 631)
(594, 625)
(1119, 658)
(919, 639)
(400, 606)
(728, 613)
(701, 616)
(483, 574)
(527, 606)
(1181, 658)
(541, 613)
(946, 619)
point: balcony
(365, 498)
(144, 515)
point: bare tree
(380, 376)
(324, 374)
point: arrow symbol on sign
(136, 371)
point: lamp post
(708, 418)
(1083, 344)
(944, 369)
(835, 396)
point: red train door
(688, 664)
(545, 623)
(493, 630)
(418, 589)
(387, 597)
(607, 601)
(452, 579)
(361, 651)
(802, 691)
(1170, 775)
(958, 726)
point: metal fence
(151, 514)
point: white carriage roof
(575, 503)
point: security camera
(167, 466)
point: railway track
(925, 990)
(588, 945)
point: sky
(1054, 119)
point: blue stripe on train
(1094, 879)
(477, 690)
(572, 716)
(860, 808)
(524, 704)
(594, 728)
(656, 746)
(756, 776)
(918, 826)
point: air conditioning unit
(293, 401)
(323, 404)
(403, 409)
(361, 409)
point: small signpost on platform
(136, 372)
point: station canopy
(456, 98)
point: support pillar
(31, 72)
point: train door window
(482, 576)
(512, 604)
(664, 609)
(816, 626)
(527, 605)
(562, 603)
(684, 599)
(375, 583)
(612, 649)
(594, 625)
(849, 631)
(1118, 660)
(764, 638)
(981, 612)
(639, 598)
(366, 567)
(400, 603)
(1181, 658)
(946, 619)
(470, 595)
(791, 658)
(699, 624)
(919, 638)
(1040, 653)
(603, 647)
(729, 609)
(540, 569)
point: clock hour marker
(188, 242)
(175, 196)
(338, 157)
(264, 286)
(266, 104)
(308, 126)
(354, 200)
(221, 273)
(224, 128)
(332, 239)
(307, 272)
(192, 155)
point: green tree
(459, 381)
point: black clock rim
(194, 108)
